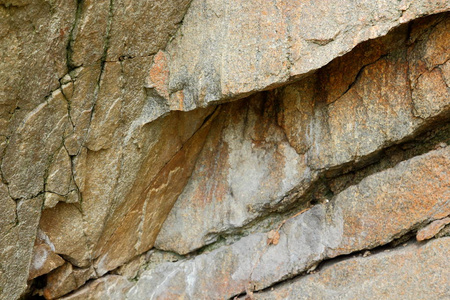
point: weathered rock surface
(364, 216)
(44, 257)
(16, 244)
(95, 153)
(322, 122)
(367, 215)
(65, 279)
(246, 165)
(431, 230)
(227, 49)
(395, 274)
(109, 287)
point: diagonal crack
(358, 77)
(407, 239)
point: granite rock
(381, 208)
(115, 137)
(395, 274)
(226, 50)
(278, 143)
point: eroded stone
(80, 123)
(29, 150)
(432, 229)
(302, 36)
(65, 229)
(379, 209)
(17, 243)
(340, 116)
(162, 193)
(111, 286)
(60, 173)
(246, 166)
(390, 275)
(65, 279)
(44, 260)
(141, 29)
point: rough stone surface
(28, 153)
(226, 49)
(251, 163)
(44, 260)
(363, 216)
(432, 229)
(16, 244)
(65, 279)
(396, 274)
(115, 138)
(111, 287)
(160, 193)
(70, 243)
(246, 165)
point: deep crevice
(69, 49)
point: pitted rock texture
(124, 174)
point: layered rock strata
(125, 175)
(392, 274)
(412, 193)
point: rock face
(396, 274)
(148, 147)
(354, 220)
(291, 136)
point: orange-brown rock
(158, 77)
(339, 117)
(156, 200)
(44, 260)
(379, 209)
(65, 279)
(432, 229)
(115, 138)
